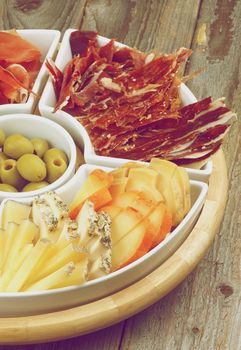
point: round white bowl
(35, 126)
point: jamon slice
(19, 64)
(56, 74)
(81, 41)
(12, 88)
(14, 49)
(195, 136)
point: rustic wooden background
(204, 312)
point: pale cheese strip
(25, 234)
(9, 239)
(53, 280)
(24, 271)
(2, 239)
(69, 234)
(61, 258)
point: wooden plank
(219, 56)
(204, 311)
(146, 25)
(55, 14)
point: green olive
(33, 186)
(54, 153)
(7, 188)
(40, 146)
(31, 168)
(2, 137)
(10, 174)
(55, 168)
(16, 145)
(2, 157)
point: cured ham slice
(19, 65)
(129, 103)
(194, 137)
(14, 49)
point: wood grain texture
(147, 25)
(108, 339)
(29, 14)
(204, 312)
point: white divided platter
(48, 101)
(29, 303)
(32, 126)
(47, 42)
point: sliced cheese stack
(39, 247)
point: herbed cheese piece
(95, 235)
(87, 221)
(104, 222)
(57, 205)
(49, 213)
(100, 266)
(68, 234)
(99, 248)
(43, 217)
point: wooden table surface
(204, 312)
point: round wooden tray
(129, 301)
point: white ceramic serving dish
(35, 126)
(26, 303)
(47, 42)
(48, 101)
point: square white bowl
(47, 41)
(29, 303)
(78, 132)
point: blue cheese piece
(50, 213)
(69, 234)
(58, 207)
(87, 220)
(100, 266)
(97, 241)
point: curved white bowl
(48, 101)
(47, 42)
(27, 303)
(32, 126)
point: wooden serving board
(133, 299)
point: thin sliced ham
(130, 105)
(19, 65)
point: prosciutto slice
(19, 65)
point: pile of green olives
(29, 164)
